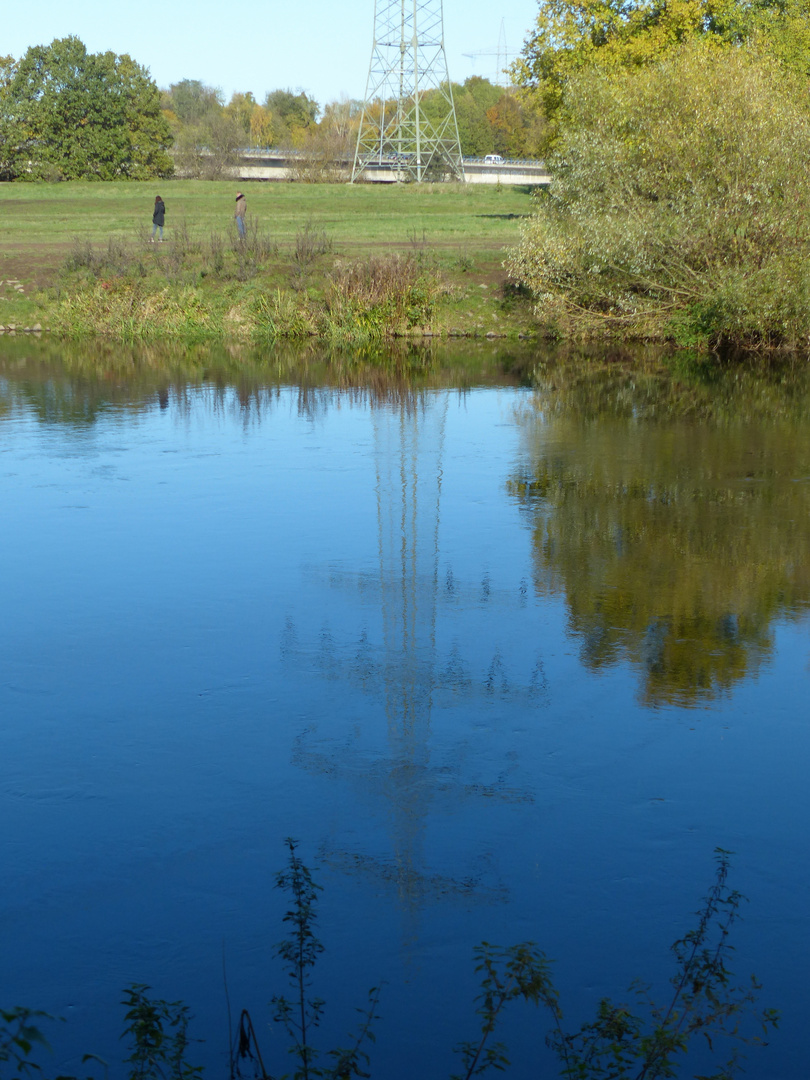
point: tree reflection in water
(674, 522)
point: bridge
(295, 165)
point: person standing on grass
(158, 217)
(239, 214)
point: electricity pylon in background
(407, 61)
(502, 57)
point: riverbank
(336, 262)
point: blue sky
(321, 46)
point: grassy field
(40, 222)
(460, 232)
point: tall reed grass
(142, 291)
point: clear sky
(320, 46)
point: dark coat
(159, 213)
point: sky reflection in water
(509, 662)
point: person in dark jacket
(158, 217)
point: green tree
(571, 35)
(148, 131)
(7, 68)
(190, 100)
(785, 28)
(512, 133)
(656, 225)
(341, 119)
(293, 115)
(472, 100)
(261, 126)
(70, 114)
(327, 147)
(489, 118)
(240, 108)
(208, 149)
(8, 137)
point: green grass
(462, 232)
(39, 219)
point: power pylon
(502, 56)
(407, 61)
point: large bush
(680, 203)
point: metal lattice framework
(408, 60)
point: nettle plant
(644, 1041)
(301, 1013)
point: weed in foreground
(647, 1041)
(381, 296)
(301, 1013)
(20, 1035)
(158, 1033)
(310, 243)
(625, 1043)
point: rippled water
(509, 645)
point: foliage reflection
(69, 383)
(672, 514)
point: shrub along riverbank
(680, 205)
(344, 264)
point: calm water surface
(508, 655)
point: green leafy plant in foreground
(158, 1032)
(643, 1041)
(302, 1013)
(19, 1035)
(620, 1044)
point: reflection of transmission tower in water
(407, 61)
(410, 671)
(408, 449)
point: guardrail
(534, 162)
(273, 164)
(301, 155)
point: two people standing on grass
(158, 218)
(239, 214)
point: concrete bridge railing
(288, 165)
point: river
(509, 641)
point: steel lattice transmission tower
(407, 61)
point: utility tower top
(502, 57)
(408, 123)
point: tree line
(208, 131)
(66, 113)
